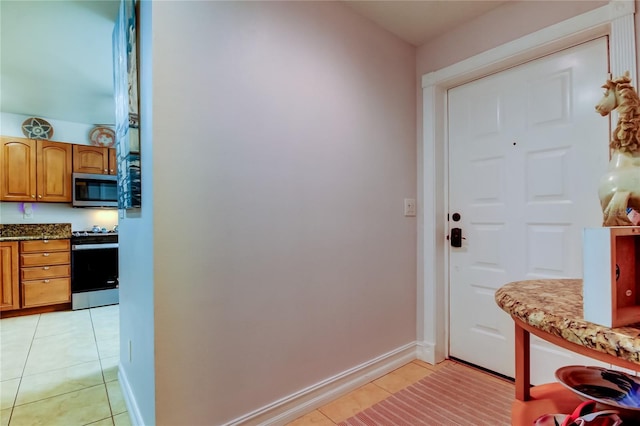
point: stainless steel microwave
(92, 190)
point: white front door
(526, 151)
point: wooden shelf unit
(612, 275)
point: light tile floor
(365, 396)
(61, 368)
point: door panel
(526, 150)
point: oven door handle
(78, 247)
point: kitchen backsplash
(80, 218)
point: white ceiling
(55, 56)
(56, 59)
(420, 21)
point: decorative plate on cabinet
(608, 387)
(102, 136)
(37, 128)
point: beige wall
(271, 252)
(283, 146)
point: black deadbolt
(456, 237)
(456, 217)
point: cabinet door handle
(105, 170)
(40, 196)
(33, 196)
(45, 254)
(46, 281)
(46, 268)
(45, 241)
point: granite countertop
(555, 306)
(36, 231)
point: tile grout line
(15, 398)
(327, 417)
(101, 420)
(95, 339)
(55, 369)
(30, 352)
(431, 371)
(104, 381)
(60, 394)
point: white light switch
(409, 206)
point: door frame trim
(615, 20)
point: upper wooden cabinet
(18, 171)
(53, 171)
(113, 169)
(35, 170)
(94, 159)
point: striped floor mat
(453, 395)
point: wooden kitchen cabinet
(113, 162)
(53, 171)
(94, 159)
(36, 171)
(9, 285)
(45, 272)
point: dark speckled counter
(36, 231)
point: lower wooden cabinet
(49, 291)
(47, 258)
(45, 272)
(9, 284)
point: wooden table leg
(523, 363)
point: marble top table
(552, 310)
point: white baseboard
(306, 400)
(132, 407)
(425, 351)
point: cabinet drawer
(44, 245)
(45, 258)
(46, 292)
(41, 272)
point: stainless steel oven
(94, 269)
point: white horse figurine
(620, 187)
